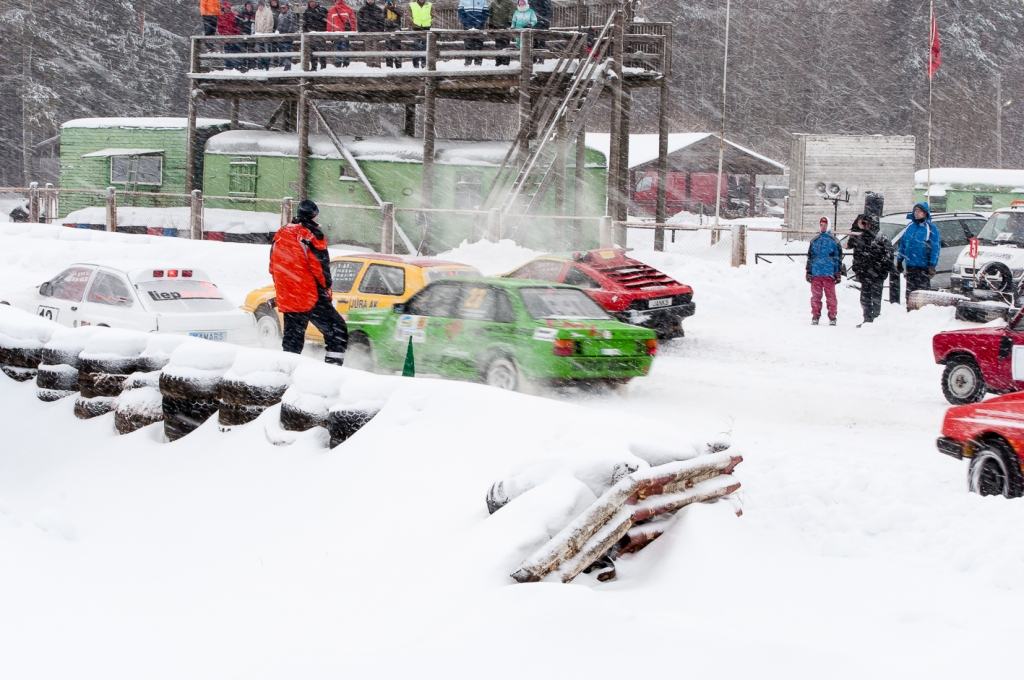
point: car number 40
(660, 302)
(47, 312)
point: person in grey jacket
(287, 23)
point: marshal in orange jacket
(209, 8)
(300, 265)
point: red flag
(935, 55)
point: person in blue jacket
(918, 251)
(473, 16)
(824, 268)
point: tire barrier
(603, 529)
(158, 351)
(344, 422)
(314, 390)
(258, 378)
(58, 372)
(360, 398)
(189, 384)
(22, 337)
(981, 311)
(140, 402)
(919, 298)
(105, 363)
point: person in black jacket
(392, 23)
(314, 20)
(872, 263)
(370, 19)
(246, 19)
(542, 8)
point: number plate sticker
(219, 336)
(47, 312)
(660, 302)
(411, 326)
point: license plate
(611, 352)
(218, 336)
(660, 302)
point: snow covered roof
(156, 123)
(643, 148)
(396, 149)
(971, 176)
(121, 152)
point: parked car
(359, 282)
(628, 289)
(161, 297)
(504, 332)
(955, 231)
(981, 360)
(991, 435)
(1000, 251)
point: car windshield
(438, 273)
(891, 229)
(182, 296)
(1004, 228)
(560, 303)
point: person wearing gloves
(341, 19)
(287, 24)
(918, 252)
(210, 11)
(314, 20)
(872, 263)
(422, 14)
(371, 20)
(393, 23)
(473, 16)
(523, 18)
(501, 19)
(264, 25)
(301, 268)
(227, 24)
(824, 269)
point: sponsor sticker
(411, 326)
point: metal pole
(196, 216)
(49, 198)
(721, 140)
(931, 37)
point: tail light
(651, 346)
(157, 273)
(564, 348)
(187, 273)
(172, 272)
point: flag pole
(931, 55)
(721, 139)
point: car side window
(437, 299)
(974, 227)
(344, 274)
(382, 279)
(951, 233)
(484, 303)
(576, 277)
(540, 270)
(109, 289)
(70, 284)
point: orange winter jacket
(300, 265)
(209, 8)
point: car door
(485, 326)
(428, 320)
(66, 292)
(343, 275)
(111, 302)
(953, 241)
(382, 285)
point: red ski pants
(827, 285)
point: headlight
(957, 269)
(1017, 273)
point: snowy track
(860, 552)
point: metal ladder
(533, 177)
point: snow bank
(491, 258)
(114, 344)
(158, 350)
(143, 123)
(21, 330)
(315, 388)
(177, 220)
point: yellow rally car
(359, 282)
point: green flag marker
(409, 369)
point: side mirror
(46, 289)
(399, 308)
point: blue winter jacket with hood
(825, 256)
(920, 243)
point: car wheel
(268, 328)
(962, 382)
(994, 472)
(359, 354)
(502, 373)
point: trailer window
(136, 170)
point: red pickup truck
(981, 360)
(991, 435)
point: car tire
(60, 378)
(503, 374)
(995, 471)
(297, 420)
(963, 382)
(182, 416)
(344, 423)
(359, 354)
(268, 327)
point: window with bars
(242, 176)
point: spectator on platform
(287, 24)
(341, 19)
(543, 10)
(501, 19)
(392, 23)
(246, 22)
(210, 10)
(227, 24)
(314, 20)
(264, 25)
(422, 13)
(473, 16)
(371, 20)
(275, 9)
(523, 18)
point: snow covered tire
(177, 387)
(246, 394)
(100, 384)
(86, 408)
(182, 416)
(18, 373)
(61, 378)
(295, 420)
(20, 357)
(344, 423)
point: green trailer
(244, 165)
(969, 189)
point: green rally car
(502, 332)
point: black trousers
(473, 44)
(209, 24)
(917, 279)
(501, 43)
(326, 320)
(871, 298)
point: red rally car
(980, 360)
(629, 290)
(991, 434)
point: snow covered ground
(859, 554)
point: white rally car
(161, 298)
(999, 266)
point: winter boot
(814, 321)
(831, 322)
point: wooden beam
(429, 117)
(661, 209)
(190, 142)
(623, 202)
(559, 170)
(525, 100)
(234, 113)
(612, 183)
(303, 129)
(410, 120)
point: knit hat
(307, 211)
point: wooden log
(111, 204)
(196, 215)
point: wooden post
(190, 138)
(578, 187)
(111, 209)
(559, 169)
(525, 101)
(387, 228)
(234, 114)
(33, 202)
(194, 56)
(661, 209)
(286, 211)
(739, 245)
(410, 120)
(429, 117)
(622, 204)
(752, 194)
(493, 225)
(612, 180)
(303, 124)
(196, 227)
(605, 232)
(49, 198)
